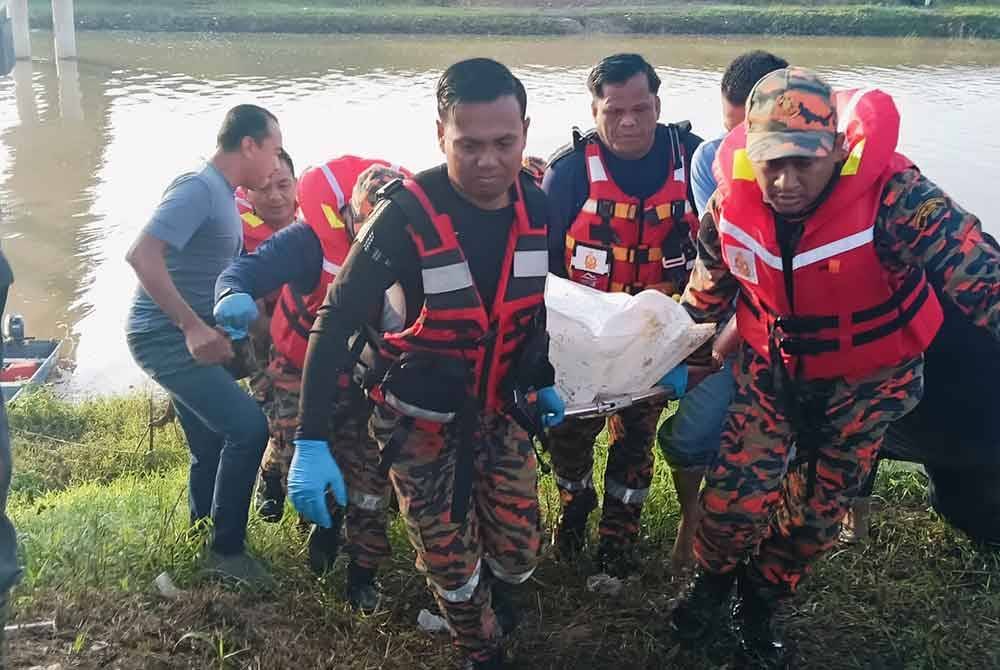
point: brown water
(84, 156)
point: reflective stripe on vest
(531, 263)
(802, 259)
(330, 267)
(447, 278)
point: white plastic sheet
(613, 343)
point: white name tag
(589, 259)
(742, 263)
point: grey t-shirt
(198, 219)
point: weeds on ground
(96, 531)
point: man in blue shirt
(737, 81)
(192, 236)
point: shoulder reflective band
(334, 186)
(531, 263)
(596, 169)
(804, 258)
(448, 278)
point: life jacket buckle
(606, 209)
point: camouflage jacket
(917, 225)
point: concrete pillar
(64, 28)
(24, 91)
(18, 11)
(70, 96)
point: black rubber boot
(571, 535)
(703, 607)
(494, 662)
(270, 497)
(617, 558)
(362, 589)
(324, 543)
(504, 608)
(753, 614)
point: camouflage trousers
(499, 538)
(755, 502)
(277, 389)
(629, 471)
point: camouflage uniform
(499, 537)
(277, 389)
(629, 470)
(916, 225)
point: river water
(86, 148)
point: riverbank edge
(843, 20)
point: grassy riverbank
(101, 512)
(531, 17)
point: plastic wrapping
(605, 344)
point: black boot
(362, 589)
(753, 612)
(617, 558)
(494, 662)
(504, 608)
(703, 607)
(572, 532)
(270, 497)
(324, 543)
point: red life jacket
(323, 192)
(621, 243)
(453, 320)
(255, 231)
(851, 316)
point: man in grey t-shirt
(190, 239)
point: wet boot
(504, 608)
(703, 607)
(362, 589)
(324, 543)
(571, 534)
(753, 613)
(617, 558)
(270, 497)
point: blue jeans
(690, 438)
(225, 430)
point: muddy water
(86, 148)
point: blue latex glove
(235, 313)
(676, 379)
(551, 407)
(312, 472)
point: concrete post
(18, 11)
(64, 28)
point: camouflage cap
(790, 112)
(369, 182)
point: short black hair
(478, 80)
(283, 156)
(618, 69)
(741, 75)
(244, 121)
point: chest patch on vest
(591, 259)
(742, 263)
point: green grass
(528, 17)
(100, 515)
